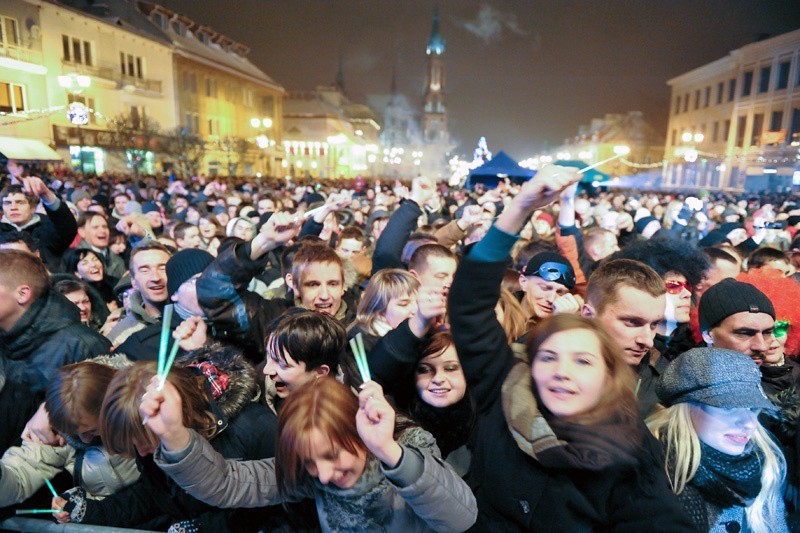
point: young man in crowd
(94, 232)
(54, 232)
(186, 236)
(628, 299)
(148, 271)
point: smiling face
(569, 372)
(540, 294)
(95, 232)
(90, 267)
(440, 379)
(149, 275)
(331, 463)
(725, 430)
(81, 300)
(321, 287)
(286, 373)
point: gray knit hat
(729, 297)
(715, 377)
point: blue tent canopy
(500, 167)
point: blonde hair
(385, 285)
(674, 425)
(514, 322)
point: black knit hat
(184, 265)
(552, 267)
(729, 297)
(643, 222)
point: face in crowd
(745, 332)
(726, 430)
(440, 379)
(569, 372)
(631, 319)
(321, 287)
(540, 294)
(437, 275)
(149, 276)
(679, 298)
(95, 232)
(17, 208)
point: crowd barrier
(37, 525)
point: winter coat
(136, 319)
(17, 405)
(650, 368)
(389, 248)
(115, 265)
(48, 336)
(420, 494)
(54, 232)
(245, 430)
(515, 491)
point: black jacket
(514, 491)
(48, 336)
(54, 233)
(389, 248)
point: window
(776, 121)
(247, 97)
(697, 99)
(707, 97)
(179, 28)
(194, 83)
(131, 65)
(763, 79)
(794, 131)
(731, 89)
(674, 136)
(211, 88)
(188, 124)
(715, 134)
(758, 126)
(747, 83)
(720, 91)
(678, 104)
(185, 81)
(12, 98)
(741, 122)
(783, 75)
(9, 31)
(77, 51)
(161, 20)
(686, 102)
(726, 130)
(88, 102)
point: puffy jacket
(422, 494)
(48, 336)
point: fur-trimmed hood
(241, 376)
(788, 416)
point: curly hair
(668, 255)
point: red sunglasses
(675, 287)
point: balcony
(122, 82)
(20, 53)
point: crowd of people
(538, 356)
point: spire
(436, 43)
(340, 74)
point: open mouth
(738, 438)
(324, 308)
(561, 392)
(439, 392)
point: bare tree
(187, 150)
(137, 134)
(236, 150)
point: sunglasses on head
(781, 328)
(675, 286)
(552, 271)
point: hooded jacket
(514, 489)
(54, 232)
(245, 430)
(48, 336)
(136, 319)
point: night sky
(522, 73)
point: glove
(184, 526)
(76, 504)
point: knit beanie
(729, 297)
(643, 222)
(149, 207)
(78, 195)
(184, 265)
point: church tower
(434, 115)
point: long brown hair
(75, 393)
(323, 404)
(120, 421)
(618, 398)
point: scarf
(555, 443)
(728, 480)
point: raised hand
(162, 413)
(422, 190)
(191, 334)
(375, 424)
(278, 230)
(431, 305)
(470, 216)
(34, 186)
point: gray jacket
(135, 320)
(423, 493)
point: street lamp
(262, 139)
(77, 113)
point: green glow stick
(166, 321)
(38, 511)
(50, 486)
(359, 362)
(163, 377)
(363, 352)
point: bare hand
(471, 216)
(279, 229)
(191, 334)
(375, 424)
(544, 188)
(34, 186)
(422, 190)
(161, 410)
(568, 303)
(136, 224)
(38, 430)
(62, 517)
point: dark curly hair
(668, 255)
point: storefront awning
(27, 150)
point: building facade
(735, 123)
